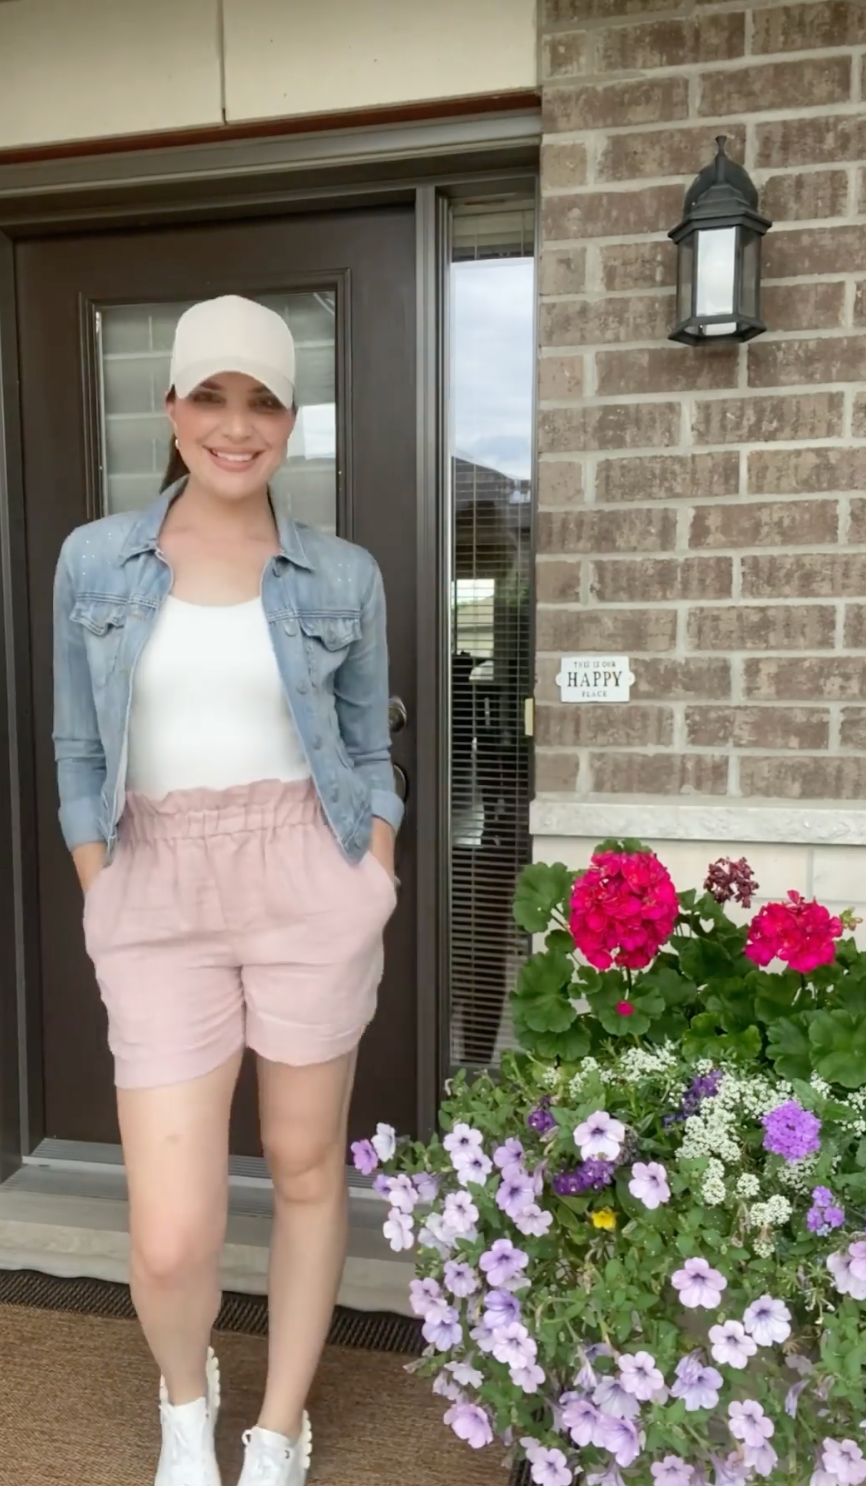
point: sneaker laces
(183, 1448)
(266, 1465)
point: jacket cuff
(80, 822)
(386, 805)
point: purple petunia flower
(844, 1460)
(622, 1438)
(533, 1221)
(697, 1386)
(649, 1184)
(402, 1193)
(528, 1377)
(513, 1345)
(849, 1271)
(470, 1423)
(509, 1154)
(762, 1459)
(398, 1229)
(590, 1175)
(732, 1471)
(364, 1157)
(472, 1168)
(582, 1419)
(541, 1120)
(436, 1235)
(768, 1321)
(749, 1423)
(501, 1307)
(640, 1377)
(792, 1397)
(484, 1336)
(672, 1471)
(460, 1215)
(460, 1278)
(600, 1137)
(442, 1327)
(549, 1468)
(791, 1131)
(422, 1294)
(503, 1264)
(613, 1399)
(384, 1142)
(462, 1139)
(609, 1477)
(732, 1344)
(426, 1186)
(516, 1191)
(699, 1284)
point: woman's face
(232, 434)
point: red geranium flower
(797, 932)
(623, 909)
(624, 1008)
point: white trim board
(788, 825)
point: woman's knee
(164, 1251)
(305, 1168)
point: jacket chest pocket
(327, 639)
(103, 622)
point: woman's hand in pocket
(382, 843)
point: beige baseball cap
(232, 334)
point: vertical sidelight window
(134, 353)
(491, 379)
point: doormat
(78, 1397)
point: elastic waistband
(190, 814)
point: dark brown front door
(96, 315)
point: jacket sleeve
(361, 698)
(78, 747)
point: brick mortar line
(849, 108)
(746, 62)
(620, 186)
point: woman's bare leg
(304, 1117)
(175, 1145)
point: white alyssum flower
(713, 1189)
(748, 1185)
(820, 1085)
(764, 1245)
(798, 1176)
(772, 1213)
(637, 1062)
(588, 1066)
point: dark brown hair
(176, 469)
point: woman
(223, 756)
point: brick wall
(703, 510)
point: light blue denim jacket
(325, 606)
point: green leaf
(543, 989)
(541, 890)
(839, 1043)
(789, 1048)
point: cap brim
(189, 377)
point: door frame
(427, 164)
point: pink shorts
(234, 917)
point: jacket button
(303, 687)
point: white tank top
(208, 708)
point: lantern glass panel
(716, 276)
(751, 274)
(685, 277)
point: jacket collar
(144, 534)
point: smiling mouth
(227, 461)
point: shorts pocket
(382, 879)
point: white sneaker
(188, 1457)
(272, 1460)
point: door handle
(401, 782)
(397, 715)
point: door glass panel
(134, 352)
(492, 295)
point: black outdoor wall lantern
(719, 256)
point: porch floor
(73, 1225)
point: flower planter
(640, 1251)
